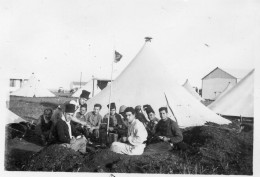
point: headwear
(122, 109)
(163, 108)
(149, 110)
(147, 106)
(138, 107)
(85, 94)
(70, 108)
(112, 106)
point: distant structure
(215, 82)
(77, 85)
(33, 88)
(192, 91)
(94, 86)
(16, 82)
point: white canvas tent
(91, 87)
(238, 101)
(33, 88)
(12, 117)
(229, 86)
(189, 88)
(139, 85)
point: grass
(212, 149)
(31, 108)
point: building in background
(16, 82)
(215, 82)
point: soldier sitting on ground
(168, 130)
(43, 126)
(93, 120)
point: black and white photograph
(122, 88)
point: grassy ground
(32, 108)
(212, 149)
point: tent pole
(93, 86)
(170, 108)
(110, 90)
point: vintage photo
(122, 87)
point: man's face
(130, 117)
(68, 116)
(82, 101)
(151, 116)
(163, 115)
(112, 111)
(83, 110)
(47, 114)
(96, 110)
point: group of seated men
(74, 127)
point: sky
(57, 40)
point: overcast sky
(58, 39)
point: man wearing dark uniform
(168, 130)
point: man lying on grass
(66, 134)
(137, 134)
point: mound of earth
(55, 158)
(211, 150)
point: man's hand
(111, 128)
(124, 139)
(165, 139)
(91, 129)
(73, 140)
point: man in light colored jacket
(134, 143)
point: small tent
(238, 101)
(139, 85)
(94, 86)
(33, 88)
(189, 88)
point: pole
(80, 80)
(170, 108)
(110, 93)
(93, 86)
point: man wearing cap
(115, 120)
(133, 144)
(93, 120)
(43, 126)
(66, 133)
(168, 130)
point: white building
(215, 82)
(16, 83)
